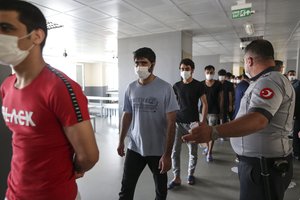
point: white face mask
(238, 81)
(185, 75)
(221, 78)
(142, 72)
(10, 53)
(209, 76)
(291, 78)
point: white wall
(291, 65)
(227, 66)
(202, 61)
(168, 50)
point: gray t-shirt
(271, 94)
(149, 105)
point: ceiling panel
(89, 25)
(58, 5)
(113, 8)
(87, 13)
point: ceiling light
(249, 28)
(52, 25)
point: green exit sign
(240, 13)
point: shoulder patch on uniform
(266, 93)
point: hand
(120, 149)
(79, 174)
(299, 134)
(199, 134)
(165, 164)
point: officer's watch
(214, 133)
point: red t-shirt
(42, 161)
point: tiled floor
(215, 181)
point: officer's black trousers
(251, 181)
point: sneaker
(209, 158)
(173, 184)
(191, 180)
(204, 152)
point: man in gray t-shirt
(260, 131)
(149, 118)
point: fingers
(188, 138)
(121, 151)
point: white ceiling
(91, 27)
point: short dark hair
(228, 75)
(30, 15)
(278, 65)
(222, 72)
(187, 61)
(291, 71)
(262, 48)
(209, 67)
(145, 52)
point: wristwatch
(214, 133)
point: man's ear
(249, 61)
(151, 67)
(38, 36)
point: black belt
(269, 161)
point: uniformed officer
(260, 130)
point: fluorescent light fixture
(249, 28)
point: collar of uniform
(269, 69)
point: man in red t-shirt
(53, 140)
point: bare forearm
(204, 113)
(83, 164)
(242, 126)
(204, 108)
(170, 140)
(171, 118)
(125, 123)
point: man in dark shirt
(296, 130)
(188, 92)
(214, 95)
(228, 96)
(239, 93)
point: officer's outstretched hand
(198, 134)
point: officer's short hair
(262, 48)
(187, 61)
(144, 52)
